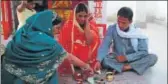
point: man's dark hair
(81, 7)
(126, 12)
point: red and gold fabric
(72, 38)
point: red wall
(6, 18)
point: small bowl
(109, 76)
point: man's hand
(97, 66)
(121, 58)
(22, 6)
(24, 2)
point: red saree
(73, 39)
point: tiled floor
(158, 45)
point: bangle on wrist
(86, 67)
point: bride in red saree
(80, 36)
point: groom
(130, 50)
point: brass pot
(109, 76)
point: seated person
(33, 55)
(79, 35)
(130, 47)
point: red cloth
(73, 39)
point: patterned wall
(63, 8)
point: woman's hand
(97, 66)
(87, 68)
(87, 30)
(90, 16)
(76, 61)
(87, 71)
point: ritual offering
(109, 76)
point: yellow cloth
(22, 16)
